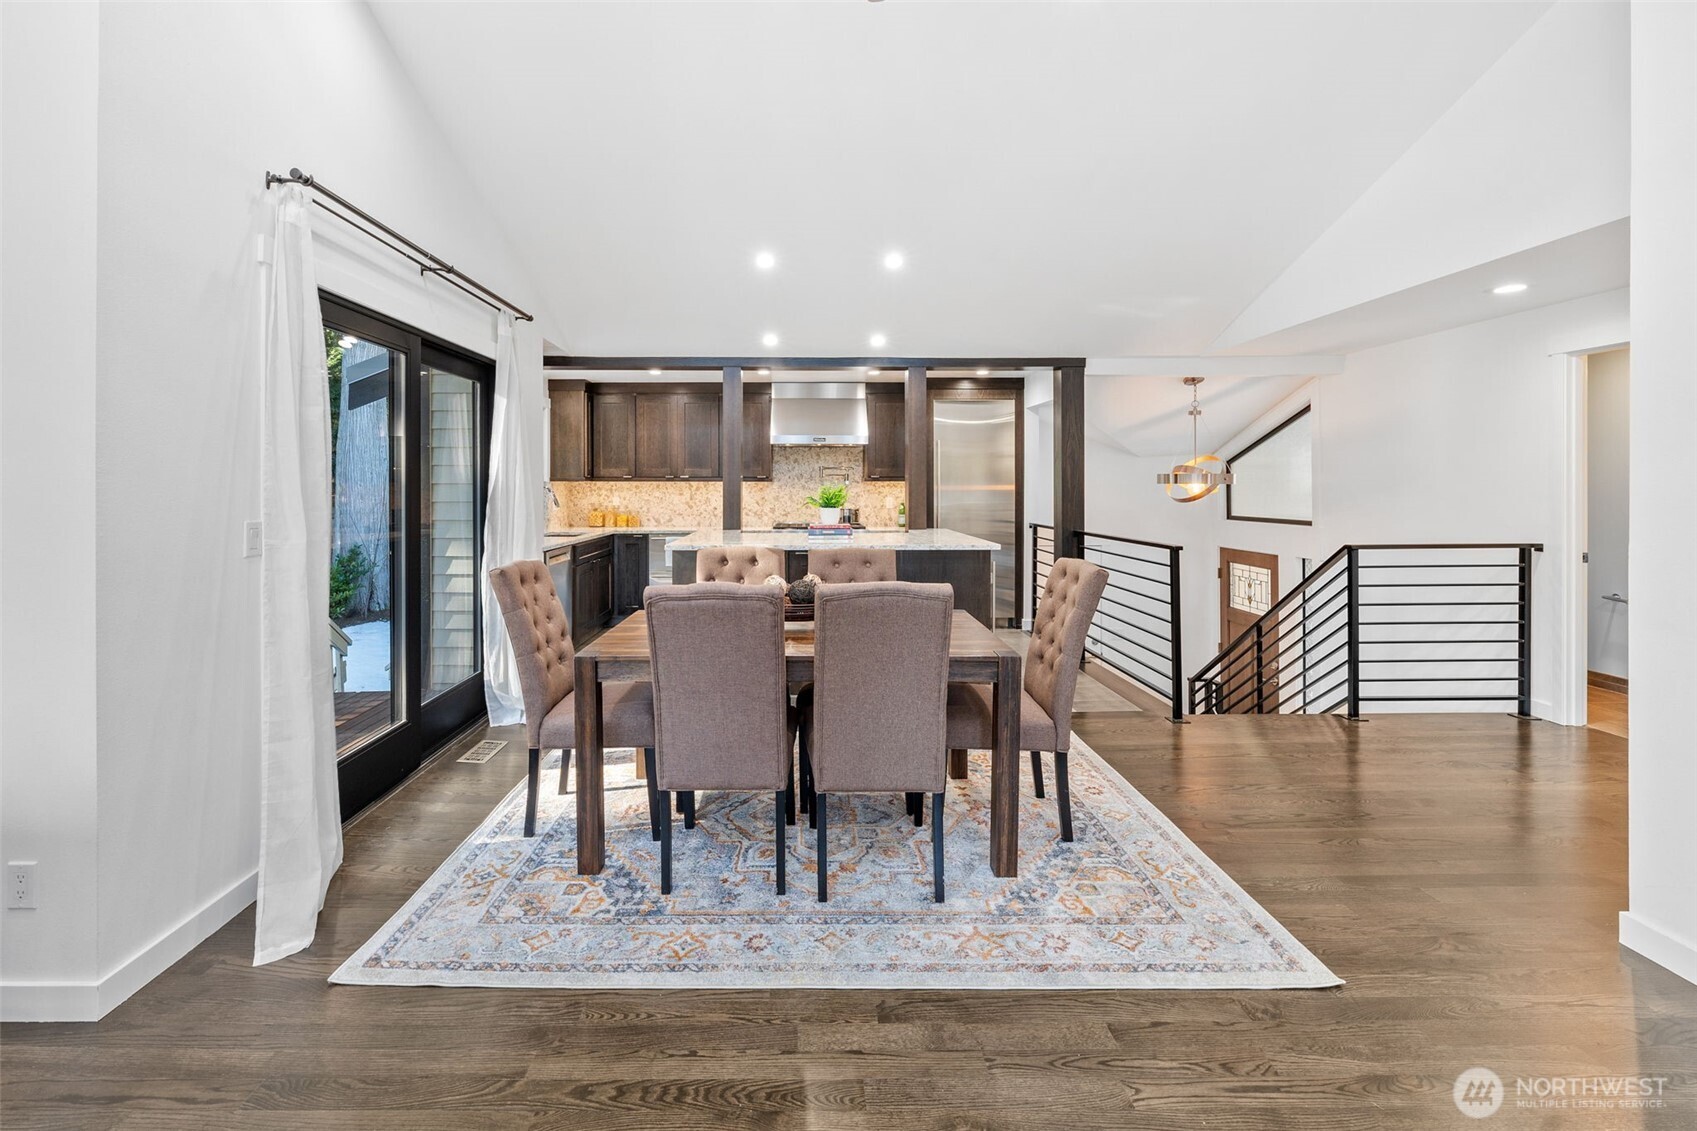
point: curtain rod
(428, 264)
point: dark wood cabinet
(698, 436)
(592, 589)
(656, 436)
(568, 430)
(756, 435)
(886, 435)
(630, 572)
(612, 436)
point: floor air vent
(482, 752)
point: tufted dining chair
(843, 563)
(722, 717)
(877, 720)
(745, 565)
(542, 649)
(1051, 676)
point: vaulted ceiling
(1098, 180)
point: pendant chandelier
(1202, 475)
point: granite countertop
(939, 539)
(560, 539)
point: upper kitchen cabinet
(677, 435)
(886, 434)
(613, 436)
(756, 435)
(568, 430)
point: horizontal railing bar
(1442, 659)
(1139, 612)
(1449, 640)
(1535, 546)
(1128, 640)
(1129, 557)
(1137, 592)
(1440, 585)
(1121, 571)
(1133, 541)
(1439, 679)
(1304, 691)
(1438, 698)
(1135, 627)
(1132, 659)
(1435, 604)
(1438, 565)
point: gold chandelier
(1203, 474)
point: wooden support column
(730, 449)
(1069, 460)
(918, 446)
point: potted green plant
(829, 500)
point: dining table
(976, 656)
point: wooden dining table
(976, 655)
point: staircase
(1386, 626)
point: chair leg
(937, 844)
(1063, 794)
(565, 770)
(665, 843)
(957, 764)
(783, 818)
(805, 773)
(653, 793)
(824, 864)
(530, 792)
(789, 801)
(1037, 771)
(688, 796)
(916, 809)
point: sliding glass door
(409, 475)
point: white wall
(1607, 432)
(1453, 437)
(48, 696)
(195, 103)
(1662, 782)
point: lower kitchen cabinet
(630, 572)
(592, 589)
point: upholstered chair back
(540, 636)
(721, 706)
(745, 565)
(1057, 636)
(880, 686)
(842, 563)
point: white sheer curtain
(514, 519)
(300, 840)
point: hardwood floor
(1462, 873)
(1606, 710)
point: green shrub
(347, 573)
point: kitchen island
(921, 555)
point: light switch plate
(253, 539)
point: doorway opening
(1607, 535)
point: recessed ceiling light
(654, 373)
(984, 373)
(878, 341)
(894, 261)
(764, 372)
(765, 260)
(768, 339)
(872, 373)
(1508, 289)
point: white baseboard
(1658, 946)
(90, 1001)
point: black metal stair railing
(1437, 623)
(1138, 628)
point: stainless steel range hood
(815, 413)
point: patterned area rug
(1129, 904)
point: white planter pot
(830, 515)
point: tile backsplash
(797, 472)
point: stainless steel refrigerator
(975, 480)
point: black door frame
(383, 762)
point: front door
(1249, 584)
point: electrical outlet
(253, 540)
(20, 885)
